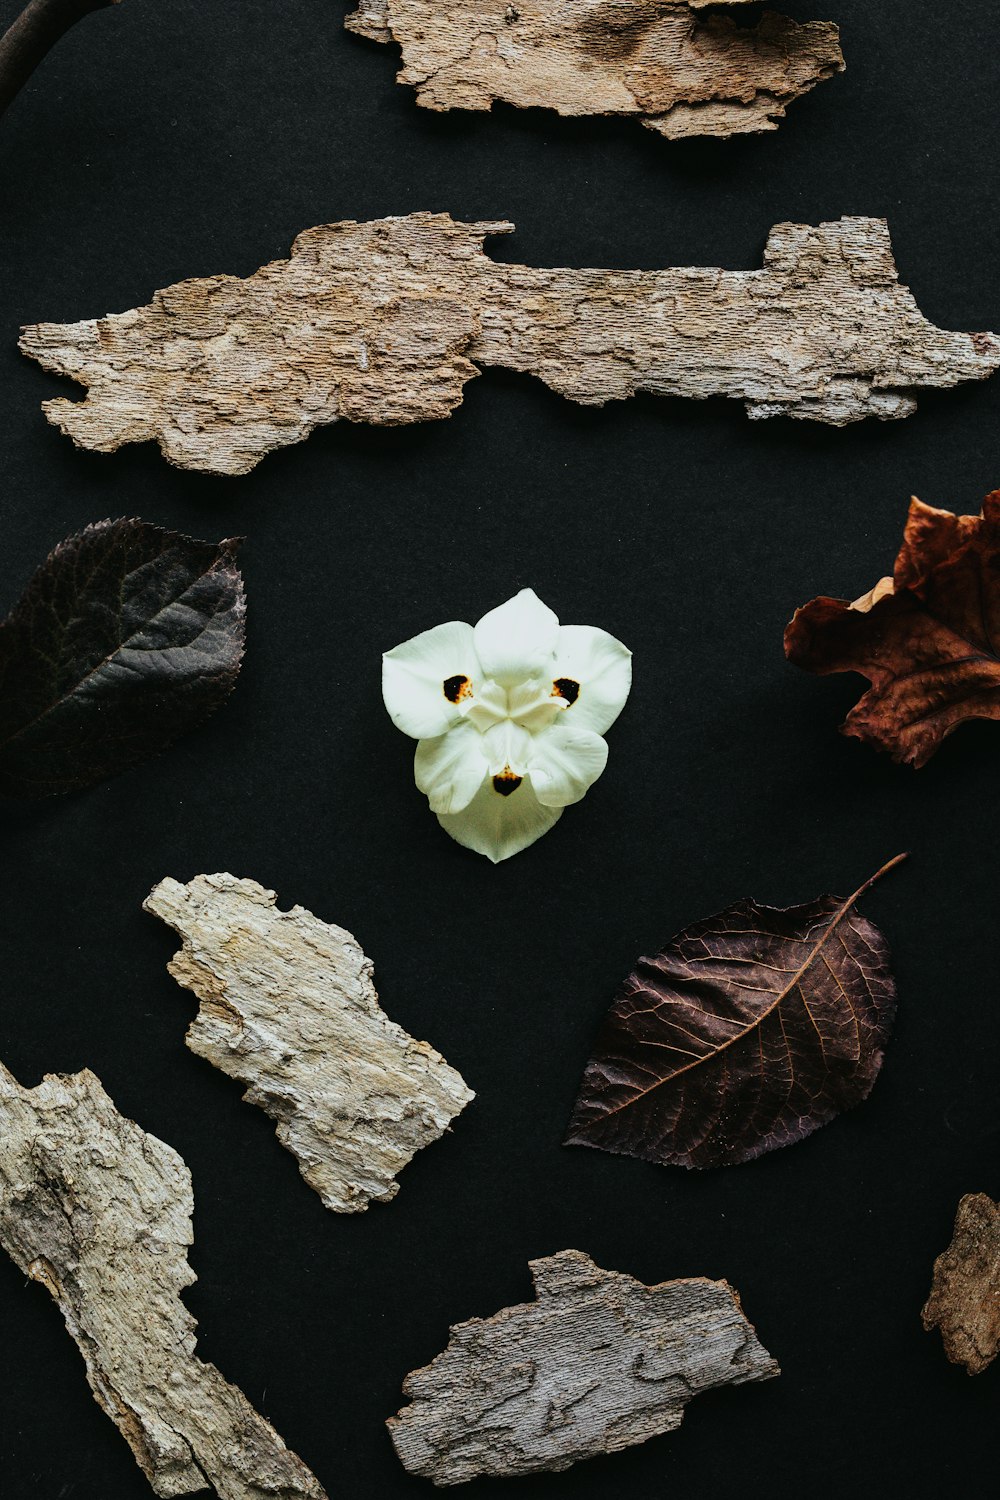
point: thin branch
(33, 34)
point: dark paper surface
(179, 139)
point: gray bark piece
(678, 72)
(99, 1212)
(288, 1006)
(385, 322)
(598, 1363)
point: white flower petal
(517, 639)
(566, 763)
(602, 669)
(499, 826)
(449, 770)
(418, 676)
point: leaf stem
(898, 860)
(28, 40)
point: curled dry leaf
(747, 1032)
(386, 322)
(100, 1212)
(288, 1006)
(680, 72)
(928, 638)
(965, 1293)
(599, 1362)
(127, 636)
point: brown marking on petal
(457, 688)
(506, 782)
(566, 687)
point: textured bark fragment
(597, 1363)
(385, 322)
(679, 72)
(100, 1213)
(288, 1006)
(965, 1293)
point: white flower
(509, 716)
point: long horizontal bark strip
(288, 1006)
(599, 1362)
(100, 1212)
(679, 72)
(385, 322)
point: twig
(28, 40)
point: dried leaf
(927, 638)
(747, 1032)
(126, 636)
(381, 323)
(598, 1363)
(680, 73)
(965, 1293)
(100, 1213)
(288, 1005)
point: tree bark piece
(385, 322)
(599, 1362)
(288, 1006)
(679, 72)
(99, 1212)
(965, 1293)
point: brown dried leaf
(747, 1032)
(680, 73)
(965, 1293)
(928, 639)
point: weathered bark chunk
(680, 73)
(965, 1293)
(288, 1006)
(385, 322)
(100, 1213)
(598, 1363)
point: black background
(182, 139)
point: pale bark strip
(965, 1294)
(100, 1213)
(289, 1007)
(385, 322)
(598, 1363)
(678, 72)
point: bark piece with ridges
(100, 1213)
(965, 1293)
(288, 1006)
(680, 73)
(385, 322)
(599, 1362)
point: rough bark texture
(288, 1006)
(681, 73)
(100, 1213)
(965, 1293)
(382, 322)
(599, 1362)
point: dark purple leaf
(127, 636)
(748, 1032)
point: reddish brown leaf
(965, 1295)
(748, 1032)
(928, 639)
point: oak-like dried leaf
(928, 638)
(126, 636)
(747, 1032)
